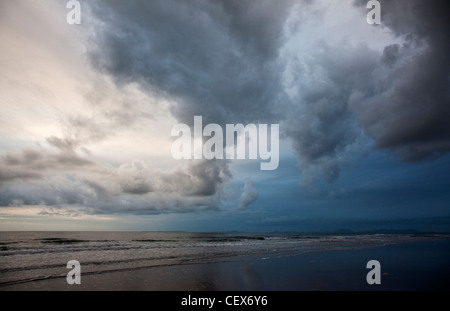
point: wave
(46, 257)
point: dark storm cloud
(214, 58)
(220, 59)
(400, 98)
(321, 121)
(257, 26)
(410, 112)
(390, 54)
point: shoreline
(407, 266)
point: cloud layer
(226, 65)
(304, 64)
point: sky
(86, 113)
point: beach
(416, 265)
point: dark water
(27, 257)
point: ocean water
(33, 256)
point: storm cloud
(225, 65)
(409, 112)
(351, 98)
(213, 58)
(304, 64)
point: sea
(34, 256)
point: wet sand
(409, 266)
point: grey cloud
(66, 212)
(10, 175)
(24, 175)
(91, 198)
(409, 114)
(134, 178)
(206, 176)
(64, 144)
(37, 162)
(199, 178)
(248, 196)
(390, 54)
(129, 188)
(258, 25)
(321, 122)
(137, 186)
(202, 178)
(217, 58)
(350, 96)
(51, 193)
(26, 157)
